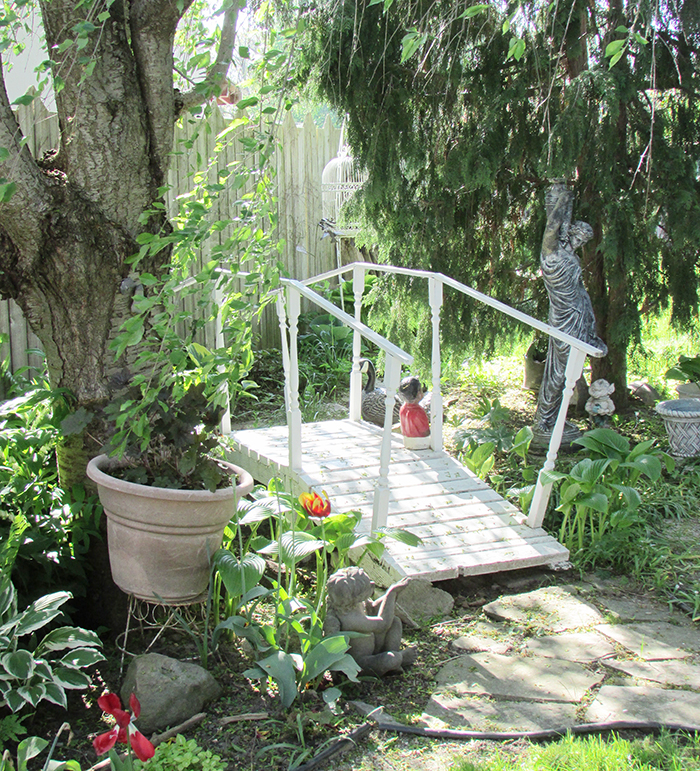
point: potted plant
(168, 494)
(688, 370)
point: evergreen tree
(462, 113)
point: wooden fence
(303, 151)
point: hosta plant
(31, 671)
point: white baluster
(538, 506)
(219, 343)
(294, 413)
(282, 316)
(358, 287)
(380, 509)
(435, 296)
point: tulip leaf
(325, 654)
(402, 536)
(280, 667)
(19, 664)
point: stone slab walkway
(561, 656)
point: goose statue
(374, 397)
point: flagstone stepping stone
(556, 608)
(654, 641)
(645, 703)
(474, 643)
(672, 672)
(626, 610)
(517, 677)
(571, 646)
(447, 710)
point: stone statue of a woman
(570, 308)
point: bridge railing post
(293, 411)
(358, 288)
(435, 298)
(540, 498)
(380, 504)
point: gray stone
(571, 646)
(447, 710)
(645, 703)
(626, 610)
(473, 643)
(424, 602)
(667, 672)
(169, 691)
(654, 641)
(517, 677)
(646, 393)
(554, 607)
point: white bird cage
(340, 180)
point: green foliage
(11, 729)
(60, 523)
(325, 355)
(31, 672)
(182, 754)
(688, 368)
(600, 492)
(462, 114)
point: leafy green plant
(599, 493)
(493, 429)
(32, 747)
(182, 754)
(687, 368)
(11, 729)
(325, 354)
(174, 442)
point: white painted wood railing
(395, 357)
(288, 313)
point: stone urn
(160, 540)
(681, 419)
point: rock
(423, 602)
(645, 393)
(170, 691)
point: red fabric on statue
(414, 420)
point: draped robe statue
(570, 308)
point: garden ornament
(600, 406)
(570, 308)
(415, 424)
(377, 650)
(374, 398)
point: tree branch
(20, 215)
(216, 74)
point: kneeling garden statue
(377, 650)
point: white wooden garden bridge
(466, 527)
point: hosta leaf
(30, 748)
(81, 657)
(40, 612)
(32, 694)
(237, 574)
(68, 637)
(280, 667)
(70, 678)
(19, 664)
(56, 694)
(649, 465)
(323, 656)
(402, 536)
(13, 700)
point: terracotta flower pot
(160, 540)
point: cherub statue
(351, 609)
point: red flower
(314, 505)
(110, 703)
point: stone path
(560, 656)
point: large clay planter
(160, 541)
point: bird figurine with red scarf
(412, 416)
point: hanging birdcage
(340, 180)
